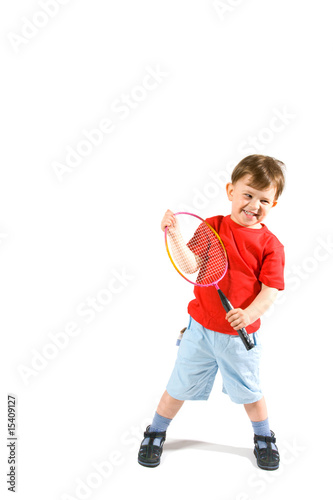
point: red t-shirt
(255, 256)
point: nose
(254, 205)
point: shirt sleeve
(200, 242)
(272, 269)
(207, 246)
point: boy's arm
(241, 318)
(185, 259)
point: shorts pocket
(183, 331)
(256, 339)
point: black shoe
(150, 454)
(267, 458)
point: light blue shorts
(202, 352)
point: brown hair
(264, 171)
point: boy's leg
(168, 406)
(257, 411)
(167, 409)
(265, 450)
(154, 437)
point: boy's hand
(238, 318)
(169, 220)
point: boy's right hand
(169, 220)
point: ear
(274, 203)
(230, 190)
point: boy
(255, 274)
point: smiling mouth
(250, 214)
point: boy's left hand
(238, 318)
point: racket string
(203, 253)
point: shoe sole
(147, 464)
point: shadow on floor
(179, 444)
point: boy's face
(249, 206)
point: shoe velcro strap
(267, 439)
(154, 435)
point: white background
(226, 72)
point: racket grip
(242, 332)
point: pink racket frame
(174, 265)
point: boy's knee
(168, 405)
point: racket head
(206, 245)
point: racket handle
(242, 332)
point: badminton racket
(199, 256)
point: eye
(265, 202)
(248, 195)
